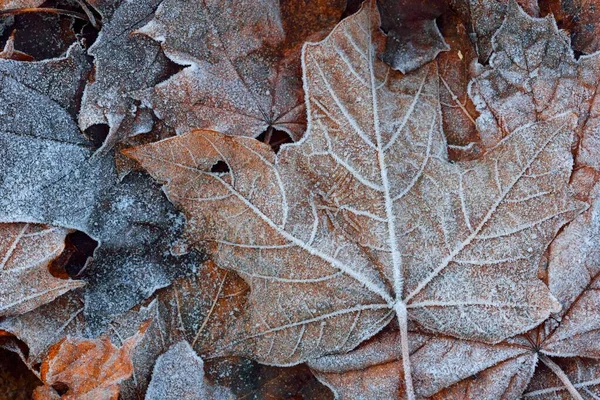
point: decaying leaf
(413, 36)
(90, 368)
(561, 347)
(485, 17)
(179, 374)
(124, 63)
(365, 218)
(533, 76)
(582, 19)
(25, 255)
(242, 63)
(50, 174)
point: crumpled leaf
(485, 17)
(25, 255)
(242, 62)
(533, 76)
(413, 36)
(91, 368)
(124, 63)
(365, 217)
(50, 175)
(179, 374)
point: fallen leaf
(581, 18)
(90, 368)
(124, 63)
(484, 17)
(51, 174)
(39, 329)
(25, 255)
(560, 348)
(528, 79)
(413, 38)
(242, 64)
(365, 218)
(179, 374)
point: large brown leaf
(25, 255)
(561, 348)
(242, 61)
(365, 218)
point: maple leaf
(179, 374)
(527, 79)
(561, 347)
(242, 63)
(365, 217)
(25, 255)
(124, 63)
(90, 368)
(51, 175)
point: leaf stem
(402, 314)
(561, 375)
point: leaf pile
(433, 231)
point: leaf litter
(425, 218)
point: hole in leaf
(275, 138)
(97, 134)
(220, 167)
(78, 248)
(17, 381)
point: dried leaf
(506, 369)
(582, 19)
(485, 17)
(25, 255)
(41, 328)
(533, 76)
(365, 218)
(124, 63)
(51, 175)
(179, 374)
(91, 368)
(413, 36)
(242, 63)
